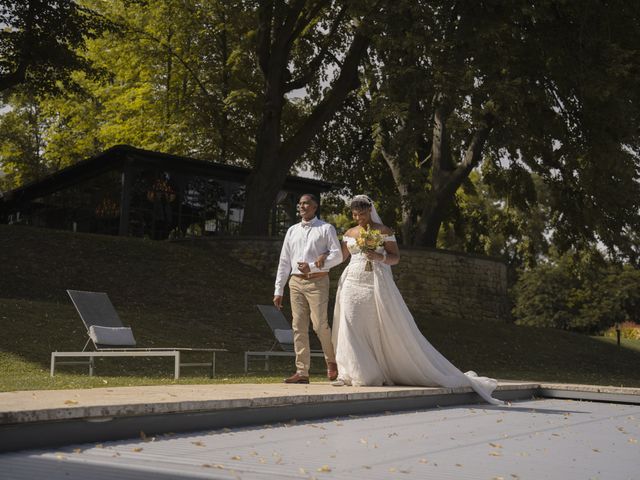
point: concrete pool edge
(115, 422)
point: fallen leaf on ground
(324, 468)
(137, 449)
(70, 402)
(198, 443)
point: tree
(191, 65)
(481, 221)
(298, 44)
(40, 43)
(578, 291)
(520, 87)
(180, 80)
(21, 143)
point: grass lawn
(190, 294)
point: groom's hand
(277, 301)
(304, 267)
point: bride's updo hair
(360, 202)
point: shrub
(580, 293)
(628, 330)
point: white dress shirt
(305, 242)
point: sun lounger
(283, 338)
(110, 338)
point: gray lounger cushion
(120, 336)
(284, 336)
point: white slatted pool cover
(538, 439)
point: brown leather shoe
(332, 371)
(296, 378)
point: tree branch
(284, 31)
(265, 20)
(345, 83)
(305, 19)
(314, 65)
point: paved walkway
(47, 405)
(535, 439)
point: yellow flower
(369, 239)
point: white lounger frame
(140, 352)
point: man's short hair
(312, 197)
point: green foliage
(482, 221)
(181, 80)
(628, 330)
(556, 118)
(577, 292)
(21, 160)
(41, 43)
(559, 166)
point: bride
(377, 341)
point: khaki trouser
(309, 302)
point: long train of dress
(377, 340)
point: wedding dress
(377, 340)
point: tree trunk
(404, 189)
(275, 159)
(446, 176)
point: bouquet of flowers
(368, 241)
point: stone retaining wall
(436, 282)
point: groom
(303, 263)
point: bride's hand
(374, 256)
